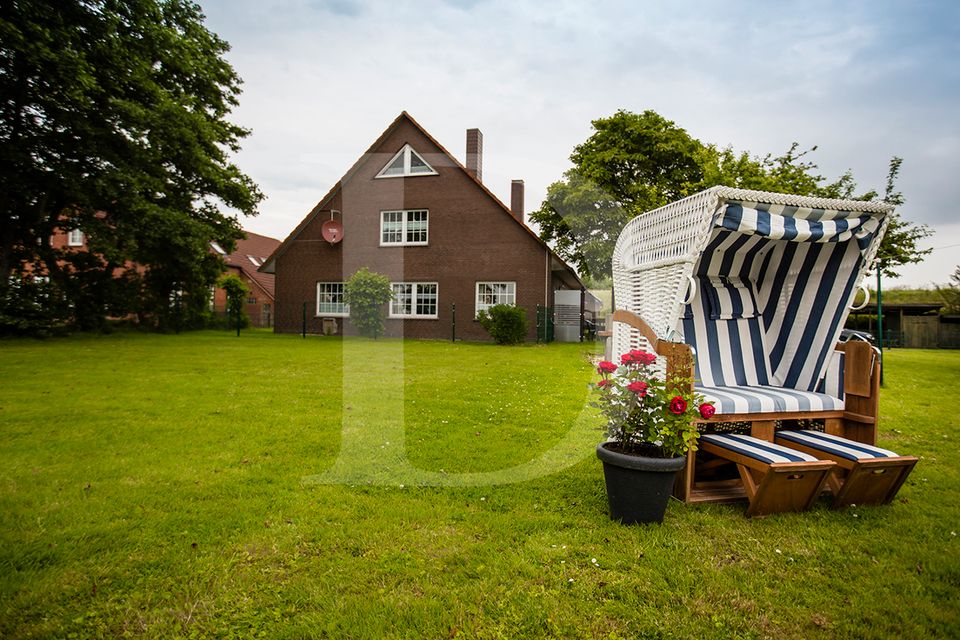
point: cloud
(864, 81)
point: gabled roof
(268, 265)
(250, 254)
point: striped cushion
(760, 399)
(755, 448)
(836, 445)
(730, 298)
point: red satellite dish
(332, 231)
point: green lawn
(204, 485)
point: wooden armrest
(679, 355)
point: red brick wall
(255, 310)
(471, 238)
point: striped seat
(761, 450)
(775, 478)
(865, 474)
(767, 399)
(827, 443)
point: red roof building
(410, 210)
(244, 262)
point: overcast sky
(863, 80)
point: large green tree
(113, 120)
(582, 222)
(636, 162)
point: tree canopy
(637, 162)
(950, 293)
(114, 121)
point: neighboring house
(408, 209)
(244, 262)
(914, 325)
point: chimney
(516, 199)
(475, 153)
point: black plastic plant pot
(638, 488)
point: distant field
(206, 485)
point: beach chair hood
(759, 283)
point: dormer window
(75, 238)
(406, 163)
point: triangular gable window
(406, 162)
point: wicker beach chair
(745, 293)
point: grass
(207, 486)
(906, 295)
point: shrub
(32, 307)
(236, 290)
(506, 323)
(366, 293)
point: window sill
(413, 317)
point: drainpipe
(880, 321)
(546, 279)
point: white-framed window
(414, 300)
(405, 164)
(491, 293)
(75, 238)
(253, 260)
(404, 228)
(330, 299)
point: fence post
(880, 320)
(453, 334)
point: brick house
(245, 262)
(408, 209)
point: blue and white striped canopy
(796, 224)
(774, 285)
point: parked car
(852, 334)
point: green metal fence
(544, 324)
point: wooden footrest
(864, 475)
(775, 478)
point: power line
(949, 246)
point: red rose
(606, 367)
(603, 383)
(626, 359)
(678, 405)
(639, 387)
(642, 357)
(707, 411)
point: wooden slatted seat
(776, 478)
(853, 416)
(865, 475)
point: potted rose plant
(650, 427)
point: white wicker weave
(656, 253)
